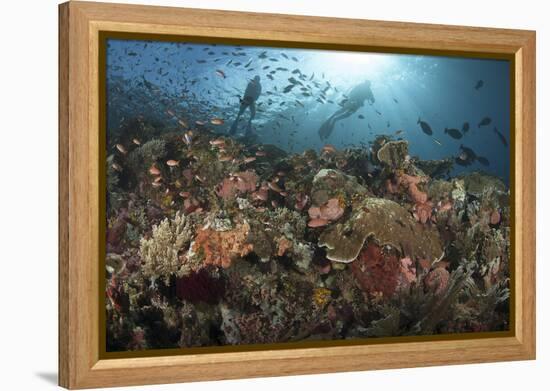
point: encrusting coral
(220, 248)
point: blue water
(148, 78)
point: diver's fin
(233, 128)
(248, 129)
(326, 129)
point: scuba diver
(356, 100)
(251, 94)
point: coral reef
(435, 168)
(212, 241)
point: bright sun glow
(352, 66)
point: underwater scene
(266, 195)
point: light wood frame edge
(79, 364)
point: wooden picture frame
(80, 361)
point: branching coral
(161, 253)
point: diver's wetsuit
(251, 94)
(356, 99)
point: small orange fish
(121, 149)
(328, 149)
(249, 159)
(172, 163)
(185, 194)
(154, 170)
(188, 138)
(224, 158)
(158, 179)
(216, 121)
(218, 142)
(136, 141)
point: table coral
(389, 224)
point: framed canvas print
(248, 195)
